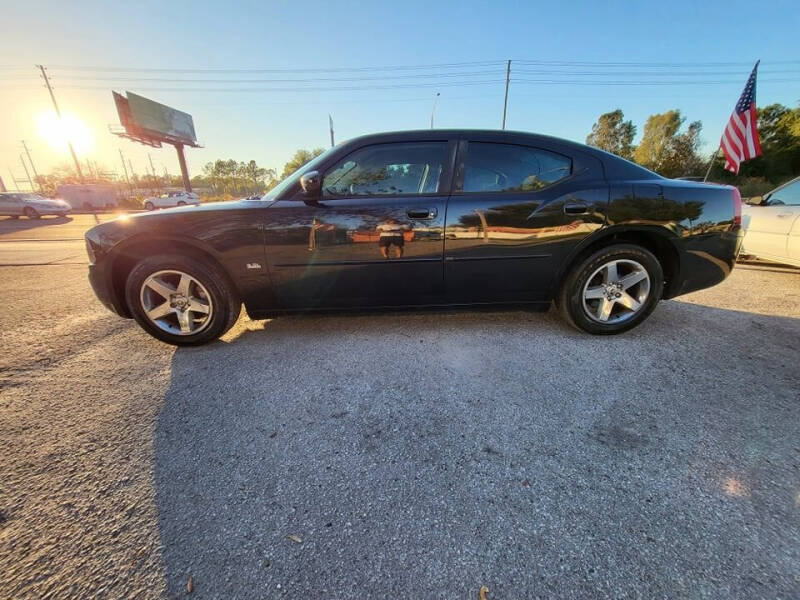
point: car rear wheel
(182, 300)
(181, 203)
(148, 206)
(31, 213)
(612, 290)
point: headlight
(90, 251)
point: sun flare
(69, 128)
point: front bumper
(103, 287)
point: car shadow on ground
(427, 455)
(9, 224)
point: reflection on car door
(375, 237)
(515, 214)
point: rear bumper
(103, 287)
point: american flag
(740, 138)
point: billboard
(156, 120)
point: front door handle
(421, 213)
(576, 208)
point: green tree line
(670, 147)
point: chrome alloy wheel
(616, 291)
(176, 302)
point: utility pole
(330, 126)
(28, 175)
(433, 110)
(505, 100)
(125, 170)
(58, 113)
(30, 160)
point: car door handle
(785, 215)
(421, 213)
(576, 208)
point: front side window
(511, 168)
(790, 195)
(388, 170)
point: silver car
(33, 206)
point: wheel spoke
(160, 288)
(632, 279)
(185, 321)
(604, 309)
(183, 285)
(594, 293)
(629, 302)
(610, 274)
(198, 306)
(159, 311)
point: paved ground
(413, 455)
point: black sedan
(424, 219)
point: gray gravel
(414, 455)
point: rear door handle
(421, 213)
(576, 208)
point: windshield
(291, 179)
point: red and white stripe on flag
(740, 139)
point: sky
(202, 57)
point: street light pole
(58, 113)
(433, 110)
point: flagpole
(711, 164)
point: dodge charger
(425, 219)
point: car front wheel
(182, 300)
(148, 206)
(32, 213)
(612, 290)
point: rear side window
(511, 168)
(388, 170)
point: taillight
(737, 209)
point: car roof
(615, 167)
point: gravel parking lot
(399, 455)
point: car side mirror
(311, 183)
(755, 200)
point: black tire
(31, 213)
(223, 296)
(148, 206)
(181, 203)
(570, 301)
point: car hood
(195, 208)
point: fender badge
(253, 265)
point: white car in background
(33, 206)
(772, 225)
(171, 199)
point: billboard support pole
(187, 185)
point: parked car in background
(171, 199)
(89, 196)
(771, 225)
(421, 219)
(33, 206)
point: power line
(307, 70)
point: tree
(613, 134)
(300, 158)
(779, 132)
(667, 151)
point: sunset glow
(58, 131)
